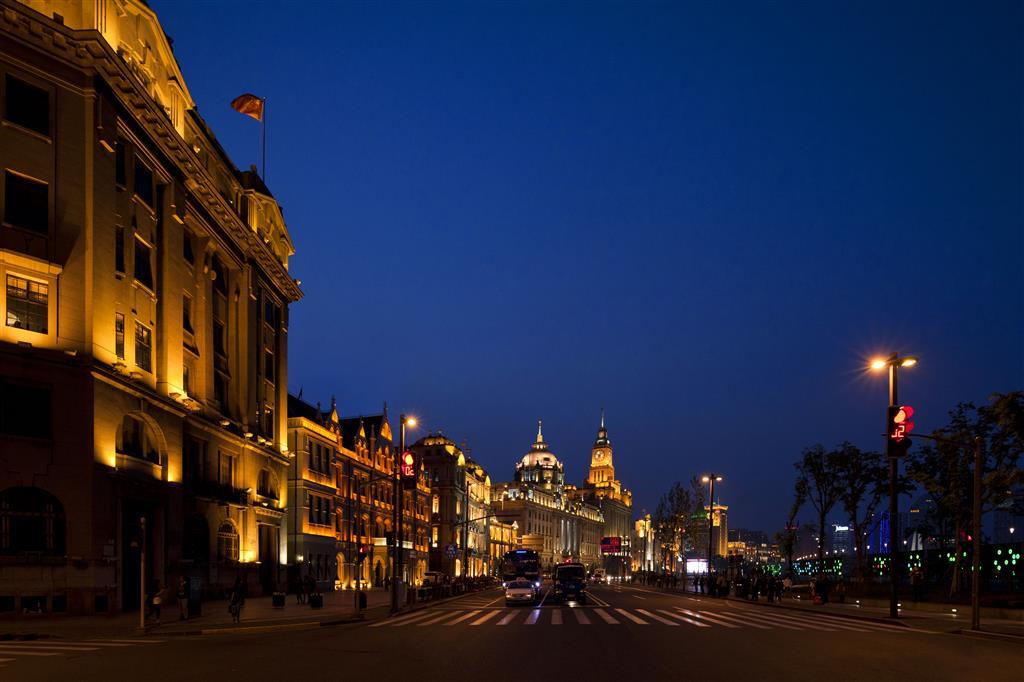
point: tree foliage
(816, 483)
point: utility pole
(894, 611)
(976, 549)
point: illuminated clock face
(600, 454)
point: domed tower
(539, 467)
(602, 470)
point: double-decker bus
(521, 563)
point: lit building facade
(145, 306)
(644, 544)
(604, 491)
(551, 517)
(459, 523)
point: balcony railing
(217, 491)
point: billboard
(611, 545)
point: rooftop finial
(602, 417)
(540, 436)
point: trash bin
(316, 600)
(277, 600)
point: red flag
(248, 104)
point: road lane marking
(534, 615)
(639, 597)
(19, 652)
(556, 617)
(659, 618)
(509, 618)
(484, 618)
(404, 620)
(431, 621)
(633, 618)
(687, 620)
(790, 624)
(133, 641)
(703, 615)
(97, 642)
(4, 646)
(871, 624)
(808, 621)
(581, 617)
(759, 623)
(606, 617)
(741, 620)
(462, 618)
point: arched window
(196, 545)
(137, 440)
(31, 522)
(266, 484)
(227, 543)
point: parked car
(520, 591)
(433, 578)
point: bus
(521, 563)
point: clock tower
(602, 471)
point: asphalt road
(621, 633)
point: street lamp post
(396, 549)
(710, 479)
(893, 363)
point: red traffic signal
(363, 551)
(408, 468)
(900, 425)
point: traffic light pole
(396, 561)
(893, 501)
(976, 548)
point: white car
(520, 591)
(599, 576)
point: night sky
(703, 218)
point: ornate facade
(551, 516)
(605, 491)
(143, 355)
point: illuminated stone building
(145, 317)
(459, 496)
(644, 545)
(552, 518)
(605, 491)
(719, 533)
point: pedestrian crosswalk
(12, 650)
(725, 618)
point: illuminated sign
(899, 422)
(611, 545)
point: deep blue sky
(701, 217)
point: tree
(816, 483)
(861, 478)
(945, 468)
(674, 518)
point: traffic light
(899, 428)
(364, 550)
(409, 465)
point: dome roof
(539, 454)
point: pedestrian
(787, 585)
(155, 601)
(723, 586)
(182, 598)
(917, 584)
(236, 600)
(841, 591)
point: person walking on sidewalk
(182, 598)
(236, 600)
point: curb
(983, 634)
(266, 627)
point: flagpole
(263, 127)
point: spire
(540, 436)
(602, 418)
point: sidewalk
(339, 607)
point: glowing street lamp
(396, 556)
(893, 446)
(711, 479)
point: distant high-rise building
(841, 540)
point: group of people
(306, 585)
(771, 586)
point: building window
(144, 183)
(268, 365)
(26, 203)
(143, 264)
(186, 313)
(31, 522)
(25, 409)
(220, 389)
(268, 425)
(193, 460)
(27, 304)
(187, 253)
(220, 277)
(119, 335)
(120, 172)
(137, 440)
(433, 536)
(27, 106)
(227, 470)
(143, 347)
(227, 543)
(266, 485)
(196, 544)
(186, 377)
